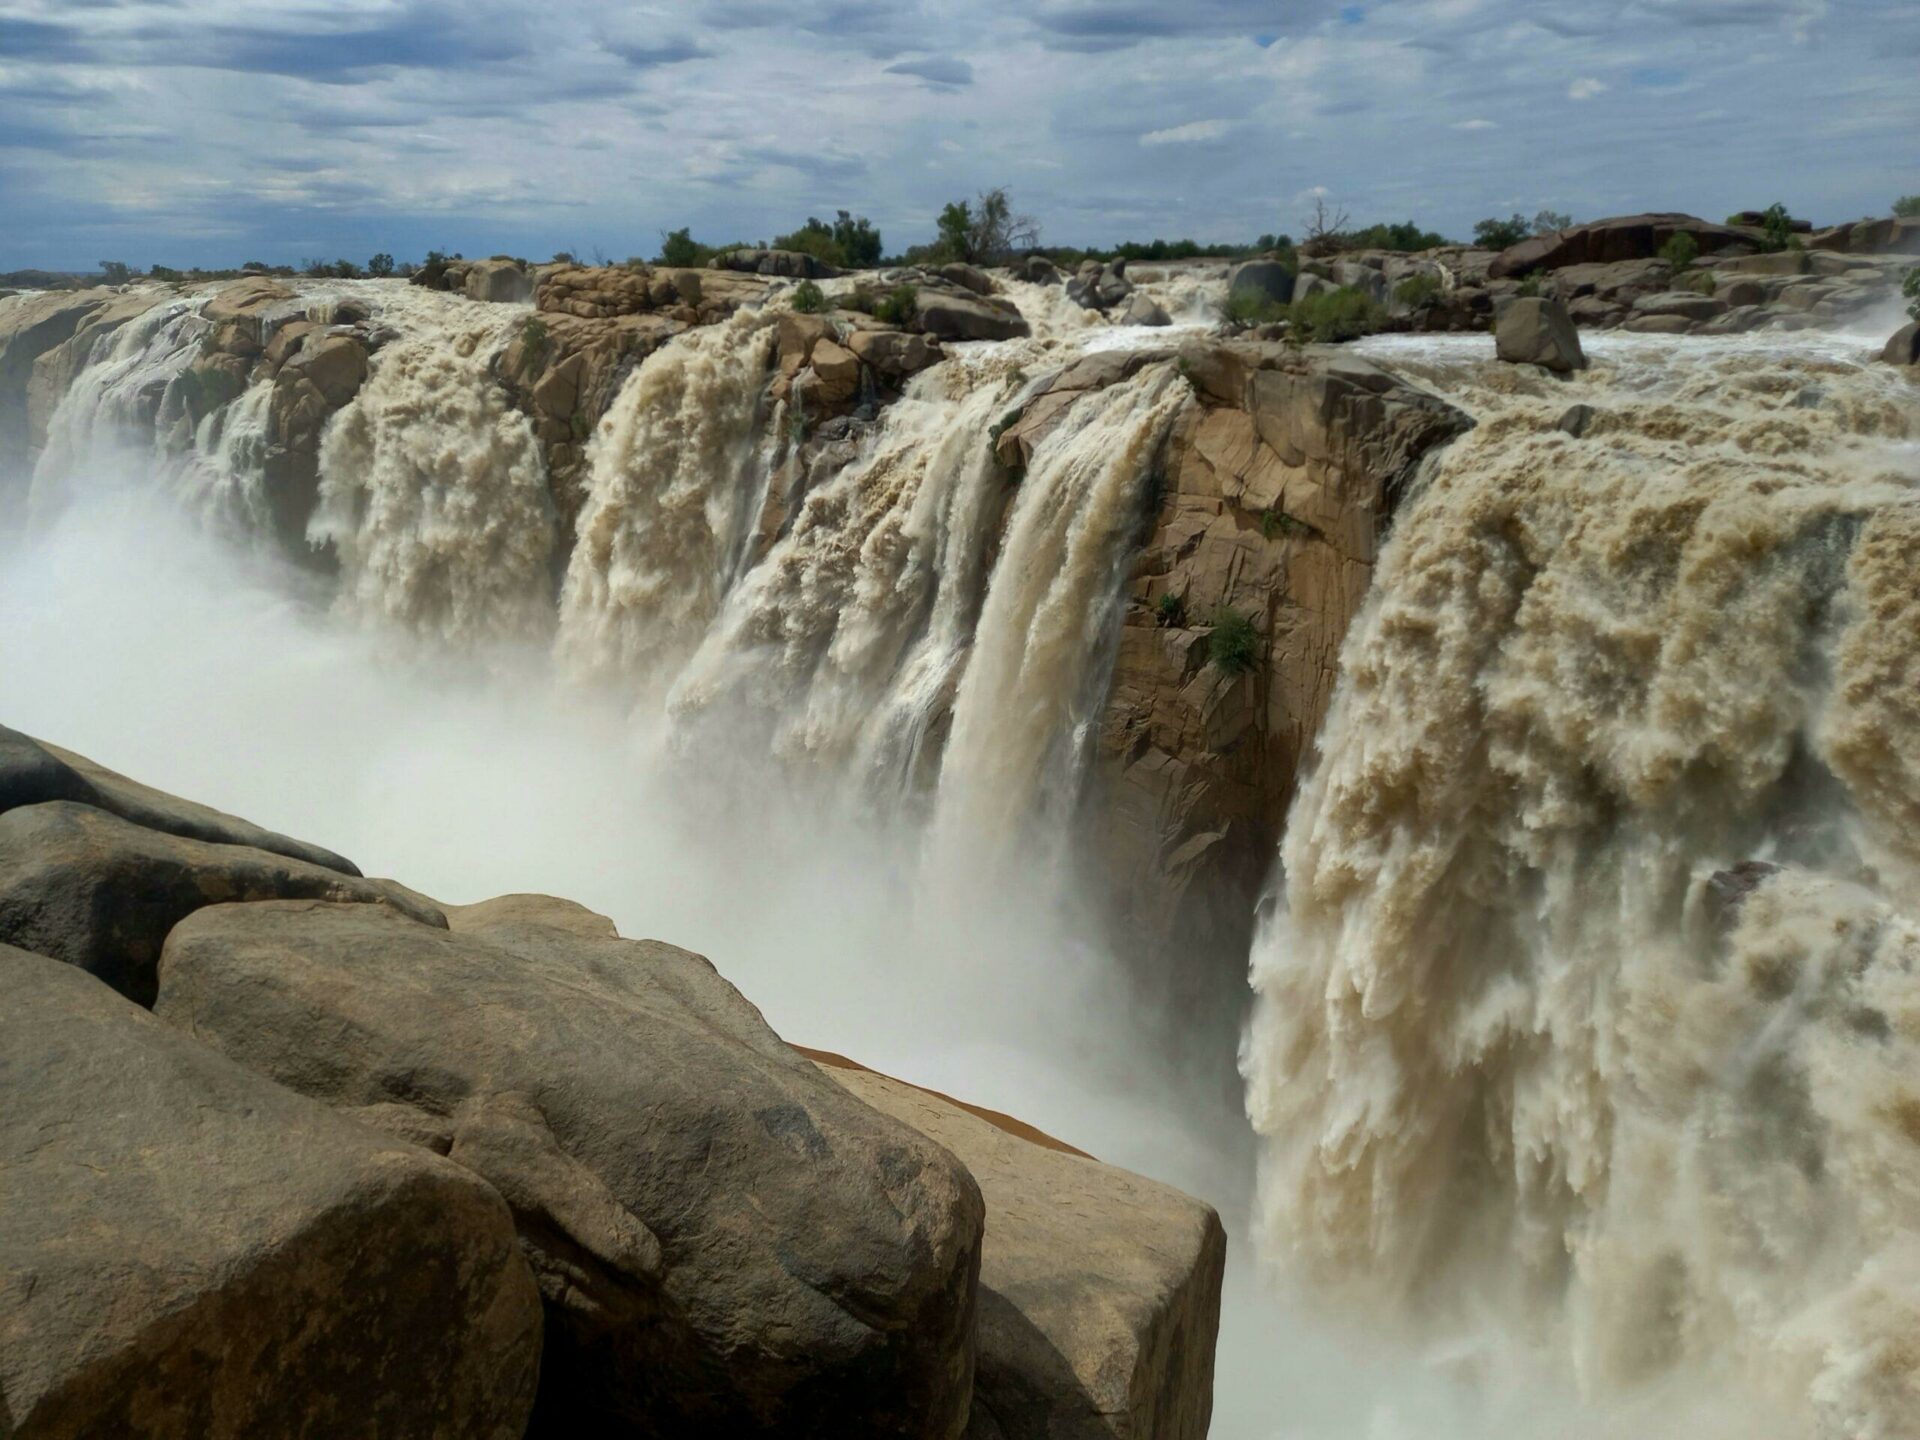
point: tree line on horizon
(985, 229)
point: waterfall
(433, 490)
(1024, 716)
(678, 470)
(1593, 993)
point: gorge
(1545, 746)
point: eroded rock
(726, 1242)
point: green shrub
(898, 306)
(679, 249)
(809, 298)
(814, 238)
(1907, 206)
(534, 343)
(1417, 291)
(1330, 316)
(1701, 282)
(1680, 251)
(1274, 523)
(1171, 612)
(1251, 306)
(1529, 288)
(1493, 234)
(1911, 289)
(1234, 646)
(1777, 227)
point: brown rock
(1099, 1290)
(726, 1242)
(93, 890)
(188, 1252)
(1627, 237)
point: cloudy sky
(216, 131)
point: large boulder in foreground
(33, 772)
(1607, 242)
(1537, 331)
(190, 1253)
(99, 892)
(1099, 1290)
(727, 1242)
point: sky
(212, 132)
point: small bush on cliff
(1907, 206)
(534, 343)
(1491, 234)
(1529, 288)
(1332, 316)
(1777, 228)
(1680, 251)
(1701, 282)
(1234, 646)
(1171, 612)
(1417, 291)
(898, 306)
(809, 298)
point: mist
(132, 633)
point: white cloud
(1475, 125)
(1191, 133)
(1586, 88)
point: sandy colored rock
(1099, 1289)
(189, 1252)
(727, 1243)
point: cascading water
(433, 490)
(1533, 1036)
(678, 475)
(1037, 676)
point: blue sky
(216, 131)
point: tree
(255, 266)
(1326, 227)
(956, 230)
(1777, 227)
(986, 230)
(679, 249)
(380, 266)
(814, 238)
(1907, 206)
(1548, 221)
(1501, 234)
(115, 272)
(858, 240)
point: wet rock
(101, 893)
(1037, 270)
(793, 264)
(1576, 420)
(1269, 279)
(188, 1252)
(727, 1243)
(1727, 890)
(967, 277)
(1143, 309)
(1099, 1290)
(1538, 331)
(949, 315)
(499, 281)
(1903, 348)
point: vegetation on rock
(1907, 207)
(1680, 251)
(809, 298)
(1331, 316)
(1234, 646)
(1492, 234)
(1417, 290)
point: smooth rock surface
(189, 1252)
(1538, 331)
(83, 886)
(33, 772)
(1099, 1289)
(726, 1242)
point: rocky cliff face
(1278, 483)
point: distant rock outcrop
(1606, 242)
